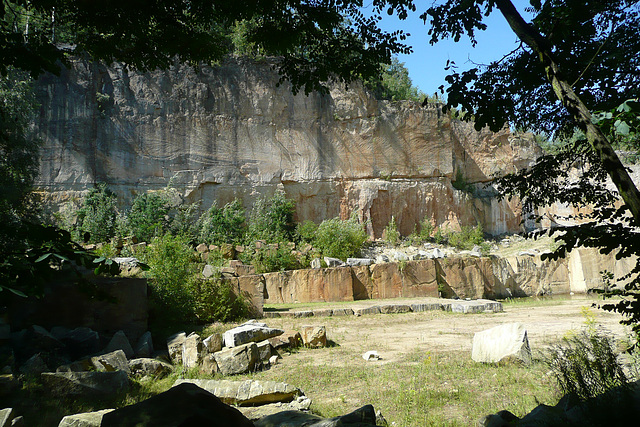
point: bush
(215, 301)
(267, 260)
(306, 231)
(391, 233)
(97, 215)
(184, 222)
(467, 238)
(148, 217)
(271, 219)
(226, 225)
(174, 274)
(424, 235)
(340, 239)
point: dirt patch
(394, 336)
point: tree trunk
(575, 107)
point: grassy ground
(426, 376)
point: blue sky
(426, 63)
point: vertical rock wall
(229, 131)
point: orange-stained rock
(313, 285)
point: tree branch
(574, 105)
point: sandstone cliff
(229, 131)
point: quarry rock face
(228, 132)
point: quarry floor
(393, 335)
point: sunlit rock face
(225, 132)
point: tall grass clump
(587, 364)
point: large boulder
(182, 405)
(238, 360)
(247, 393)
(249, 332)
(502, 343)
(81, 342)
(97, 384)
(110, 362)
(119, 341)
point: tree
(394, 83)
(575, 58)
(36, 34)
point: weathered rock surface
(361, 417)
(247, 333)
(502, 343)
(238, 360)
(314, 336)
(85, 419)
(111, 362)
(229, 131)
(183, 405)
(98, 384)
(174, 346)
(193, 350)
(247, 393)
(152, 367)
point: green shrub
(466, 238)
(226, 225)
(184, 221)
(306, 231)
(148, 217)
(340, 239)
(271, 219)
(391, 233)
(97, 215)
(440, 236)
(173, 275)
(424, 234)
(267, 260)
(216, 301)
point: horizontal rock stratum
(230, 131)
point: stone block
(111, 362)
(119, 341)
(248, 392)
(249, 333)
(366, 310)
(192, 351)
(152, 367)
(290, 339)
(359, 261)
(323, 312)
(394, 308)
(213, 343)
(183, 405)
(419, 307)
(502, 343)
(314, 336)
(342, 312)
(174, 346)
(237, 360)
(144, 347)
(85, 419)
(94, 384)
